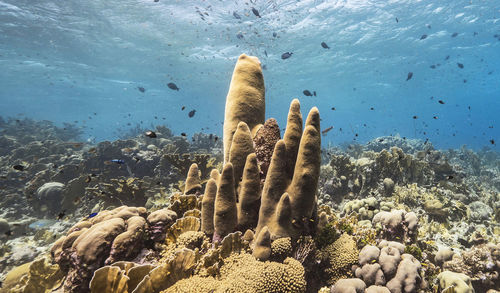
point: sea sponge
(340, 256)
(264, 141)
(460, 283)
(245, 100)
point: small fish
(88, 179)
(286, 55)
(117, 161)
(314, 93)
(460, 65)
(307, 93)
(371, 108)
(275, 34)
(256, 12)
(447, 57)
(61, 215)
(325, 131)
(18, 167)
(450, 177)
(183, 107)
(236, 15)
(410, 75)
(441, 102)
(435, 117)
(265, 53)
(415, 117)
(397, 20)
(333, 109)
(191, 113)
(423, 37)
(324, 45)
(433, 66)
(183, 134)
(454, 35)
(150, 134)
(216, 138)
(240, 36)
(172, 86)
(492, 141)
(141, 89)
(92, 215)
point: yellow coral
(341, 255)
(281, 248)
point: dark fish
(410, 75)
(460, 65)
(264, 67)
(191, 113)
(88, 179)
(92, 215)
(240, 36)
(61, 215)
(433, 66)
(150, 133)
(423, 37)
(397, 20)
(324, 45)
(216, 138)
(117, 161)
(492, 141)
(415, 117)
(255, 12)
(429, 26)
(435, 117)
(183, 107)
(371, 108)
(172, 86)
(441, 102)
(333, 109)
(450, 177)
(141, 89)
(307, 93)
(447, 57)
(265, 53)
(275, 35)
(314, 93)
(286, 55)
(183, 134)
(325, 131)
(18, 167)
(236, 15)
(454, 35)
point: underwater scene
(342, 146)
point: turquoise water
(83, 61)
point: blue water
(66, 60)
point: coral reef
(252, 212)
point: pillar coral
(287, 201)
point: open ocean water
(116, 175)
